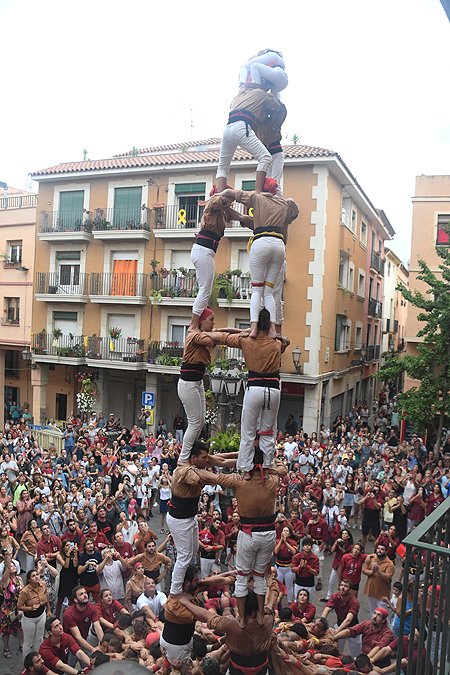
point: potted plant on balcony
(154, 264)
(57, 333)
(222, 288)
(114, 334)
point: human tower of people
(77, 523)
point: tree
(428, 404)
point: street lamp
(228, 382)
(296, 356)
(363, 354)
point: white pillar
(311, 408)
(39, 381)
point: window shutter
(71, 201)
(68, 255)
(190, 189)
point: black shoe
(324, 599)
(319, 586)
(150, 515)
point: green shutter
(127, 207)
(65, 316)
(190, 189)
(248, 185)
(71, 201)
(68, 255)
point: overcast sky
(367, 79)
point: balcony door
(69, 278)
(71, 211)
(127, 208)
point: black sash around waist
(208, 239)
(34, 613)
(183, 507)
(254, 664)
(192, 372)
(271, 380)
(242, 116)
(178, 633)
(153, 574)
(268, 231)
(260, 520)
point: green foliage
(166, 360)
(427, 404)
(225, 441)
(222, 288)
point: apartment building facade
(113, 252)
(431, 213)
(17, 240)
(395, 306)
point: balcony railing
(174, 284)
(375, 308)
(65, 221)
(428, 561)
(89, 347)
(376, 262)
(120, 284)
(176, 218)
(64, 345)
(121, 219)
(18, 202)
(165, 353)
(5, 321)
(373, 352)
(54, 283)
(11, 264)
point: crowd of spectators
(86, 556)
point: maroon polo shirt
(342, 606)
(53, 653)
(317, 531)
(73, 618)
(53, 546)
(110, 613)
(125, 551)
(351, 567)
(371, 635)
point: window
(68, 271)
(178, 327)
(11, 311)
(15, 251)
(243, 261)
(375, 334)
(71, 210)
(443, 224)
(358, 336)
(389, 269)
(343, 269)
(67, 322)
(12, 363)
(342, 338)
(346, 211)
(248, 185)
(188, 195)
(126, 323)
(363, 233)
(351, 277)
(181, 259)
(361, 283)
(242, 325)
(353, 221)
(127, 207)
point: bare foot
(246, 475)
(241, 621)
(253, 333)
(260, 618)
(272, 333)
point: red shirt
(317, 531)
(342, 607)
(308, 613)
(339, 553)
(351, 567)
(100, 541)
(433, 502)
(284, 556)
(53, 653)
(110, 613)
(231, 532)
(372, 636)
(303, 573)
(297, 527)
(125, 550)
(53, 546)
(73, 618)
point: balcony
(390, 326)
(377, 263)
(65, 226)
(112, 288)
(6, 321)
(375, 308)
(82, 349)
(172, 222)
(121, 224)
(373, 353)
(18, 202)
(234, 291)
(173, 287)
(56, 287)
(63, 349)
